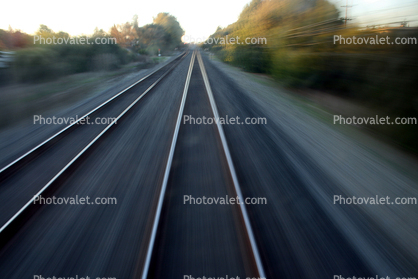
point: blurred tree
(44, 31)
(135, 22)
(172, 27)
(300, 52)
(125, 34)
(62, 34)
(14, 39)
(151, 38)
(99, 33)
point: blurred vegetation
(162, 36)
(35, 62)
(300, 52)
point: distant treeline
(300, 52)
(32, 60)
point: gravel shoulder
(269, 94)
(353, 163)
(23, 135)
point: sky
(369, 12)
(198, 18)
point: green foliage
(172, 29)
(151, 38)
(164, 33)
(295, 68)
(42, 62)
(35, 64)
(300, 52)
(13, 39)
(45, 62)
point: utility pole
(346, 12)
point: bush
(44, 63)
(37, 64)
(105, 62)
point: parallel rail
(156, 222)
(231, 168)
(167, 172)
(15, 163)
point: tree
(125, 34)
(44, 31)
(135, 22)
(151, 37)
(172, 27)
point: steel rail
(231, 167)
(72, 125)
(90, 144)
(167, 172)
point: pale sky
(369, 12)
(198, 18)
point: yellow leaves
(124, 34)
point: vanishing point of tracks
(191, 167)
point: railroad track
(152, 161)
(197, 98)
(82, 137)
(155, 259)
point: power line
(346, 11)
